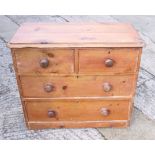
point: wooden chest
(76, 75)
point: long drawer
(98, 110)
(81, 86)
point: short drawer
(108, 60)
(82, 86)
(38, 61)
(77, 110)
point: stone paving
(11, 117)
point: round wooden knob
(44, 63)
(107, 87)
(109, 62)
(105, 111)
(51, 113)
(48, 87)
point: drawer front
(82, 86)
(105, 61)
(38, 61)
(77, 110)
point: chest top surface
(76, 35)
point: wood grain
(92, 61)
(19, 86)
(69, 34)
(135, 83)
(77, 111)
(76, 54)
(78, 124)
(82, 86)
(60, 61)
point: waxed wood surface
(77, 71)
(82, 86)
(73, 61)
(60, 60)
(76, 35)
(77, 111)
(123, 86)
(91, 61)
(78, 124)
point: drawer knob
(109, 62)
(51, 113)
(48, 87)
(107, 87)
(105, 111)
(44, 63)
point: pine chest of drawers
(76, 75)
